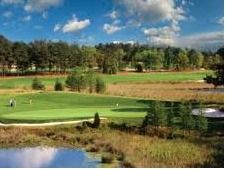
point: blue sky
(157, 22)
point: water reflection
(45, 157)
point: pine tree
(202, 122)
(100, 85)
(97, 120)
(155, 116)
(170, 119)
(186, 118)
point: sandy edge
(46, 124)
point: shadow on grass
(130, 110)
(168, 104)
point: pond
(46, 157)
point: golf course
(69, 106)
(123, 77)
(31, 116)
(111, 84)
(48, 106)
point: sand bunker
(209, 112)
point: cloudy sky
(183, 23)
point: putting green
(78, 113)
(69, 106)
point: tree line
(61, 57)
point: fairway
(25, 82)
(69, 106)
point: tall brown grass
(134, 150)
(167, 91)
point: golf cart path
(46, 124)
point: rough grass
(135, 150)
(153, 152)
(167, 91)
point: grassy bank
(123, 149)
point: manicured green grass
(156, 77)
(25, 82)
(68, 106)
(120, 78)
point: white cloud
(11, 2)
(163, 35)
(72, 25)
(30, 157)
(124, 42)
(57, 27)
(27, 18)
(113, 14)
(8, 14)
(220, 21)
(170, 36)
(149, 12)
(201, 39)
(153, 10)
(41, 5)
(75, 25)
(112, 28)
(45, 15)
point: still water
(46, 157)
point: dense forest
(61, 57)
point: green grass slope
(12, 83)
(68, 106)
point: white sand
(46, 124)
(209, 112)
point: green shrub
(96, 123)
(100, 85)
(139, 67)
(37, 84)
(77, 80)
(111, 67)
(58, 86)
